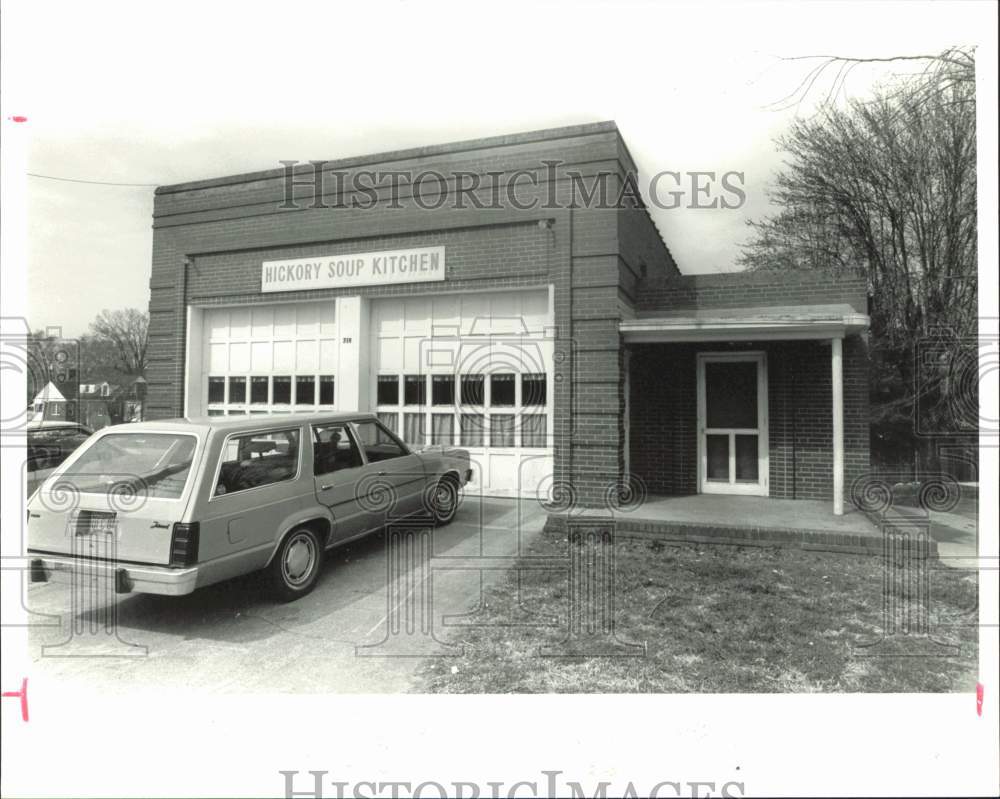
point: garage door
(470, 370)
(270, 359)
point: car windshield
(148, 464)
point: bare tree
(886, 186)
(936, 73)
(127, 329)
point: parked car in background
(166, 507)
(49, 443)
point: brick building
(504, 308)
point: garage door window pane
(442, 390)
(388, 389)
(282, 390)
(415, 390)
(442, 428)
(258, 390)
(502, 391)
(473, 390)
(413, 428)
(237, 389)
(533, 389)
(305, 390)
(326, 392)
(216, 389)
(533, 430)
(502, 430)
(390, 420)
(472, 429)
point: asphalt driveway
(359, 631)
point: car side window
(258, 459)
(334, 449)
(378, 443)
(45, 449)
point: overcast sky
(162, 93)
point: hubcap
(443, 499)
(299, 558)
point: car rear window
(151, 464)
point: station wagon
(170, 506)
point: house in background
(49, 404)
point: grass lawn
(717, 619)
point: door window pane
(414, 390)
(305, 390)
(282, 390)
(258, 390)
(443, 428)
(388, 390)
(731, 394)
(533, 430)
(413, 428)
(334, 449)
(237, 389)
(442, 390)
(502, 391)
(472, 429)
(473, 390)
(377, 442)
(216, 389)
(717, 449)
(533, 389)
(258, 459)
(326, 392)
(746, 458)
(502, 430)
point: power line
(92, 182)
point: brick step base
(732, 535)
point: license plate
(93, 522)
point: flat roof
(507, 140)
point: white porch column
(837, 364)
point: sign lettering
(360, 269)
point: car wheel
(444, 501)
(295, 567)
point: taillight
(184, 544)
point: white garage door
(472, 370)
(269, 359)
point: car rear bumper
(126, 578)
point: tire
(444, 501)
(295, 567)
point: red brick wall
(663, 440)
(210, 237)
(748, 289)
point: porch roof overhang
(746, 324)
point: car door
(256, 487)
(341, 479)
(395, 466)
